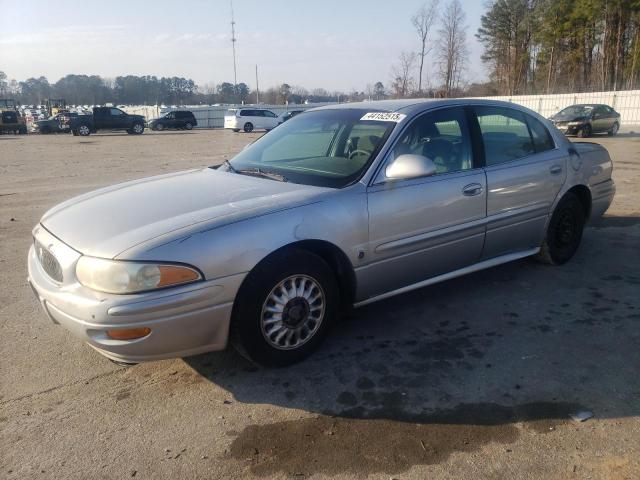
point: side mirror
(410, 166)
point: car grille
(49, 263)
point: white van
(250, 119)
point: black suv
(181, 119)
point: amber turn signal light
(128, 333)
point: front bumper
(569, 129)
(184, 320)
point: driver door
(423, 227)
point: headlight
(112, 276)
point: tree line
(548, 46)
(530, 47)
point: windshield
(578, 110)
(326, 148)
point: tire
(248, 127)
(84, 130)
(253, 331)
(585, 132)
(236, 130)
(160, 127)
(188, 126)
(137, 128)
(614, 130)
(564, 232)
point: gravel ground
(472, 378)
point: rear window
(504, 133)
(542, 140)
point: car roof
(416, 105)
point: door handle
(472, 189)
(556, 169)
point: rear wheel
(564, 232)
(585, 132)
(160, 127)
(248, 127)
(284, 308)
(188, 126)
(614, 129)
(84, 130)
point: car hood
(109, 221)
(569, 118)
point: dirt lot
(473, 378)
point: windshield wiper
(257, 172)
(230, 168)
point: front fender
(340, 219)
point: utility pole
(233, 43)
(257, 87)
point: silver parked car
(341, 206)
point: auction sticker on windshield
(384, 116)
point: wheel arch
(337, 260)
(584, 195)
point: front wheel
(160, 127)
(614, 130)
(564, 232)
(585, 132)
(84, 130)
(248, 127)
(137, 128)
(188, 126)
(285, 308)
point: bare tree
(423, 22)
(452, 53)
(401, 73)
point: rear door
(424, 227)
(525, 172)
(270, 119)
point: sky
(333, 44)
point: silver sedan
(339, 207)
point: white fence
(626, 102)
(211, 116)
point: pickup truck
(107, 118)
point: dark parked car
(178, 119)
(288, 115)
(56, 124)
(107, 118)
(587, 119)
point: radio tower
(233, 43)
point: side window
(116, 112)
(442, 136)
(267, 113)
(504, 133)
(246, 113)
(542, 140)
